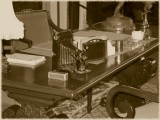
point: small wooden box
(58, 79)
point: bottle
(145, 27)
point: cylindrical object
(119, 46)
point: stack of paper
(27, 60)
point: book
(27, 65)
(20, 59)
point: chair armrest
(130, 109)
(27, 41)
(134, 91)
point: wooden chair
(42, 32)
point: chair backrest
(36, 25)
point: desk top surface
(37, 79)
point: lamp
(145, 25)
(10, 26)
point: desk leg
(89, 100)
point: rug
(78, 108)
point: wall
(58, 12)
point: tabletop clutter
(110, 45)
(96, 45)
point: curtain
(73, 15)
(98, 11)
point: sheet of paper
(93, 33)
(44, 49)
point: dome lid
(119, 22)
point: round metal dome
(119, 23)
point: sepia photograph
(79, 59)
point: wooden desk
(30, 86)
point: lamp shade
(10, 26)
